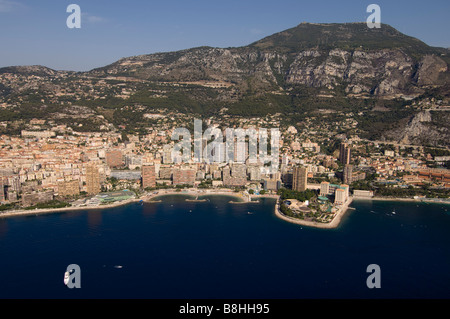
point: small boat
(393, 212)
(249, 213)
(190, 211)
(66, 278)
(118, 266)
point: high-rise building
(92, 180)
(148, 176)
(182, 176)
(165, 172)
(300, 179)
(347, 174)
(345, 154)
(2, 189)
(339, 196)
(287, 179)
(346, 189)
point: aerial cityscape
(334, 126)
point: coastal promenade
(24, 212)
(399, 199)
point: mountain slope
(343, 67)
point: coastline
(402, 199)
(24, 212)
(148, 198)
(333, 224)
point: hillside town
(54, 164)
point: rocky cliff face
(379, 73)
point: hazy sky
(35, 32)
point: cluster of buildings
(340, 192)
(43, 164)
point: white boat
(393, 212)
(66, 278)
(118, 266)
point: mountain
(349, 57)
(343, 67)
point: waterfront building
(148, 176)
(184, 176)
(271, 184)
(362, 193)
(68, 188)
(34, 198)
(2, 189)
(339, 198)
(165, 172)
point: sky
(34, 32)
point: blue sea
(216, 249)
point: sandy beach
(145, 198)
(193, 192)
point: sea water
(217, 249)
